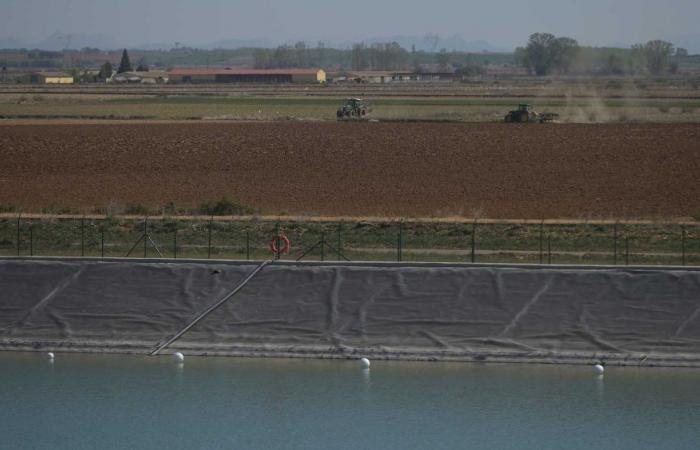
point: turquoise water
(117, 402)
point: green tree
(106, 71)
(262, 58)
(538, 53)
(283, 57)
(657, 56)
(638, 59)
(564, 53)
(143, 65)
(614, 65)
(301, 54)
(321, 53)
(545, 53)
(358, 57)
(125, 64)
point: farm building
(437, 72)
(229, 75)
(150, 77)
(373, 76)
(51, 78)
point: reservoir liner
(460, 312)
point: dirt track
(409, 169)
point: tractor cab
(526, 113)
(353, 108)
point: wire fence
(251, 239)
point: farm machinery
(353, 109)
(525, 113)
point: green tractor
(525, 113)
(353, 109)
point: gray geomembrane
(336, 310)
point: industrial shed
(247, 76)
(51, 78)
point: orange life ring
(272, 245)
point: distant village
(126, 74)
(544, 55)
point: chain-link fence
(638, 243)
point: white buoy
(599, 369)
(364, 362)
(50, 355)
(179, 356)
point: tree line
(379, 56)
(546, 54)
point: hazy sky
(501, 22)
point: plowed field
(396, 169)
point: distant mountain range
(431, 42)
(428, 42)
(59, 41)
(435, 42)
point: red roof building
(237, 75)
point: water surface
(116, 402)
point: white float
(364, 362)
(179, 356)
(50, 355)
(599, 369)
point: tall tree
(538, 55)
(301, 54)
(358, 57)
(261, 58)
(657, 55)
(106, 71)
(638, 59)
(321, 53)
(545, 53)
(564, 53)
(125, 64)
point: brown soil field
(389, 169)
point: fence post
(19, 218)
(340, 241)
(474, 242)
(102, 241)
(82, 236)
(145, 236)
(247, 245)
(549, 249)
(399, 242)
(615, 244)
(627, 250)
(323, 244)
(541, 241)
(31, 239)
(278, 253)
(175, 241)
(209, 238)
(683, 243)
